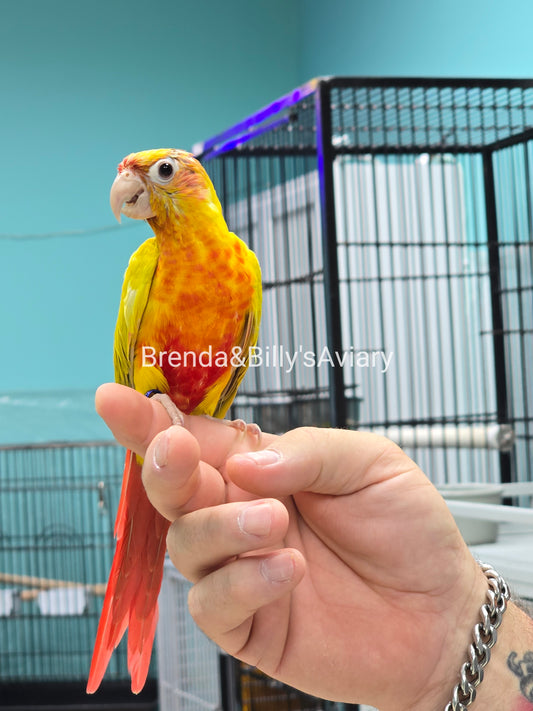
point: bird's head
(158, 184)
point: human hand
(324, 557)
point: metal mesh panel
(415, 286)
(429, 118)
(189, 677)
(56, 543)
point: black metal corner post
(230, 691)
(325, 157)
(498, 326)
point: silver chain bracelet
(485, 636)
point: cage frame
(234, 140)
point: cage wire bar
(57, 510)
(393, 222)
(185, 653)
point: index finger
(135, 420)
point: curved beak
(129, 196)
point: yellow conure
(189, 312)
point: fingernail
(255, 520)
(161, 451)
(263, 458)
(278, 568)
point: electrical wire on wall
(67, 233)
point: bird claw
(253, 430)
(250, 428)
(238, 424)
(176, 415)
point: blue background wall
(85, 83)
(477, 38)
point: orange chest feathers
(199, 301)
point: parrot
(189, 314)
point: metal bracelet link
(485, 636)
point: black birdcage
(393, 221)
(57, 510)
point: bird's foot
(250, 428)
(176, 415)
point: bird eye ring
(163, 171)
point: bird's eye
(163, 171)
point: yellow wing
(135, 292)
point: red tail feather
(134, 582)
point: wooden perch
(36, 585)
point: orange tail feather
(134, 582)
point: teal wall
(476, 38)
(84, 83)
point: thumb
(318, 460)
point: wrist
(506, 678)
(484, 637)
(508, 682)
(457, 624)
(469, 651)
